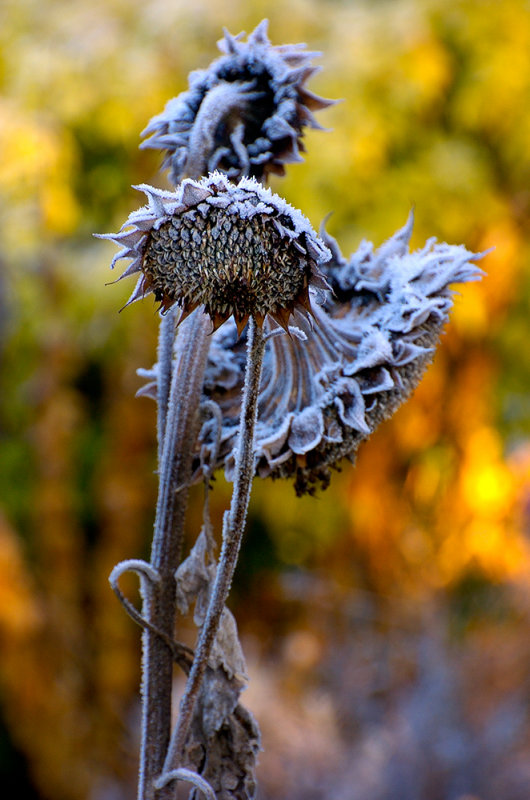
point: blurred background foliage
(386, 622)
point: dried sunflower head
(370, 343)
(238, 250)
(244, 115)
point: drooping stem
(180, 432)
(234, 524)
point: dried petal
(307, 429)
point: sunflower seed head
(238, 251)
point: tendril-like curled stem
(182, 655)
(148, 576)
(189, 776)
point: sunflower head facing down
(244, 115)
(238, 250)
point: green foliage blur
(436, 513)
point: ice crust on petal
(307, 429)
(350, 405)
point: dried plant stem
(179, 431)
(233, 528)
(166, 340)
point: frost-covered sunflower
(244, 115)
(370, 342)
(237, 250)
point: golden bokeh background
(387, 620)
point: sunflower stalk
(181, 428)
(233, 528)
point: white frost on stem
(166, 340)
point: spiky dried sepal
(238, 250)
(244, 115)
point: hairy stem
(166, 340)
(233, 528)
(179, 434)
